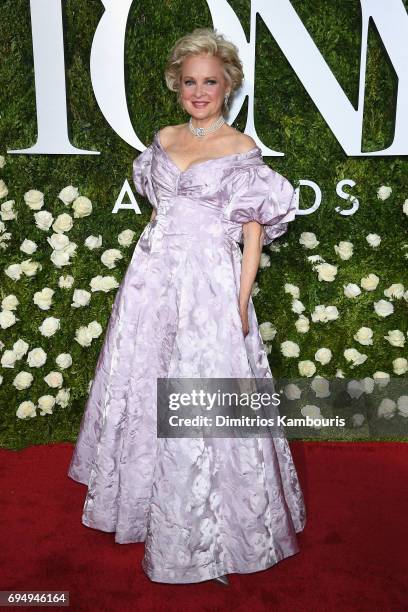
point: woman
(205, 507)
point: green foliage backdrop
(286, 120)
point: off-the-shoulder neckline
(254, 151)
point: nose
(198, 91)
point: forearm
(253, 242)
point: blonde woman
(204, 507)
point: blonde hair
(204, 40)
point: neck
(205, 123)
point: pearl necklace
(200, 131)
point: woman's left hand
(243, 311)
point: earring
(226, 100)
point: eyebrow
(190, 77)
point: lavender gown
(210, 506)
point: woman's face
(202, 86)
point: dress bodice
(235, 188)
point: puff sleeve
(259, 193)
(142, 175)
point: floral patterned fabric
(205, 506)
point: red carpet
(354, 550)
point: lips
(200, 104)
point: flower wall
(331, 295)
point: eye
(188, 82)
(212, 81)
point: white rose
(64, 361)
(65, 282)
(7, 318)
(43, 220)
(381, 379)
(297, 306)
(103, 283)
(264, 261)
(306, 368)
(255, 289)
(268, 332)
(274, 247)
(8, 358)
(49, 326)
(60, 258)
(302, 324)
(28, 246)
(34, 199)
(344, 249)
(383, 192)
(58, 241)
(396, 290)
(326, 272)
(293, 290)
(10, 302)
(109, 257)
(387, 408)
(323, 355)
(23, 380)
(82, 207)
(339, 373)
(95, 329)
(405, 207)
(54, 379)
(370, 282)
(395, 337)
(68, 194)
(29, 267)
(351, 290)
(26, 410)
(80, 298)
(7, 211)
(308, 240)
(357, 419)
(46, 404)
(354, 357)
(63, 223)
(62, 398)
(374, 240)
(290, 349)
(83, 336)
(43, 298)
(331, 313)
(13, 271)
(2, 161)
(20, 347)
(364, 336)
(319, 314)
(71, 248)
(320, 386)
(400, 365)
(36, 357)
(311, 410)
(292, 391)
(324, 313)
(3, 189)
(93, 242)
(383, 308)
(402, 405)
(355, 388)
(268, 348)
(126, 237)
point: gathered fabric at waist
(185, 223)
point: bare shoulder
(169, 133)
(244, 142)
